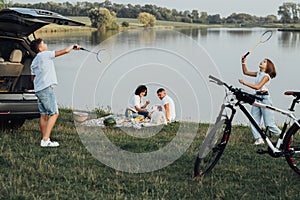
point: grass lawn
(71, 172)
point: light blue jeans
(267, 115)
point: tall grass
(28, 171)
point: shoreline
(78, 29)
(55, 29)
(134, 25)
(289, 29)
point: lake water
(178, 60)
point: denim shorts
(47, 101)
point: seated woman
(136, 106)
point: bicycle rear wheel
(212, 147)
(291, 146)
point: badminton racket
(263, 38)
(102, 55)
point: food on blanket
(110, 121)
(139, 118)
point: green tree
(147, 19)
(214, 19)
(3, 4)
(241, 19)
(203, 17)
(289, 12)
(195, 15)
(271, 19)
(102, 18)
(165, 14)
(125, 24)
(107, 4)
(94, 14)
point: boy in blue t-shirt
(44, 80)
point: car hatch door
(25, 21)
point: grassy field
(70, 172)
(133, 24)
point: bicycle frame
(276, 149)
(214, 144)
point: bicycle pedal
(261, 151)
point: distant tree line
(289, 12)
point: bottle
(129, 114)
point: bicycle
(218, 136)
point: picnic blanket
(157, 119)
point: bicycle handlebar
(218, 81)
(240, 95)
(215, 79)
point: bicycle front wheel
(212, 147)
(291, 146)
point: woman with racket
(263, 76)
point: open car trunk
(17, 98)
(16, 24)
(23, 21)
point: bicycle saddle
(295, 94)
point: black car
(17, 99)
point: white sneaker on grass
(49, 143)
(259, 141)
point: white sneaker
(259, 141)
(48, 143)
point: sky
(222, 7)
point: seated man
(168, 104)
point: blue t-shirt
(42, 67)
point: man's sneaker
(48, 143)
(259, 141)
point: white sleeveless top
(259, 77)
